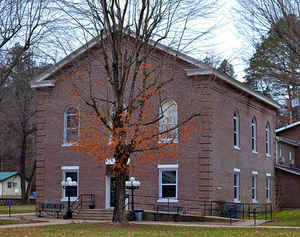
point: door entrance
(110, 192)
(113, 191)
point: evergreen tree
(227, 68)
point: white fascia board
(67, 59)
(287, 141)
(50, 83)
(197, 72)
(167, 166)
(288, 126)
(287, 170)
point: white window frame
(65, 141)
(65, 169)
(168, 167)
(236, 188)
(290, 156)
(236, 130)
(268, 187)
(254, 135)
(254, 186)
(268, 140)
(165, 121)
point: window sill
(72, 199)
(66, 144)
(268, 156)
(255, 152)
(167, 200)
(237, 148)
(236, 201)
(254, 201)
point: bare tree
(275, 24)
(25, 22)
(128, 32)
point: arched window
(268, 140)
(236, 130)
(254, 134)
(71, 125)
(169, 120)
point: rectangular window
(254, 187)
(236, 186)
(268, 187)
(290, 156)
(73, 173)
(236, 130)
(9, 184)
(168, 176)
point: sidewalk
(53, 221)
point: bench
(175, 211)
(56, 208)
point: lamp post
(132, 184)
(67, 185)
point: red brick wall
(288, 188)
(225, 157)
(205, 163)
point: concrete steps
(93, 214)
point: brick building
(230, 159)
(287, 168)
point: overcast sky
(227, 42)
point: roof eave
(197, 72)
(287, 170)
(287, 127)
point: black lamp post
(67, 185)
(132, 184)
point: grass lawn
(286, 218)
(8, 222)
(101, 229)
(17, 209)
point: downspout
(276, 150)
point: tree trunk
(30, 180)
(22, 169)
(119, 215)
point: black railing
(232, 210)
(85, 200)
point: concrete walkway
(52, 221)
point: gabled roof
(288, 126)
(202, 69)
(232, 82)
(295, 171)
(288, 141)
(6, 175)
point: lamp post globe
(132, 184)
(67, 185)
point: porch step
(93, 214)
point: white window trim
(237, 200)
(254, 174)
(268, 176)
(268, 140)
(65, 143)
(236, 119)
(70, 168)
(162, 166)
(167, 168)
(167, 140)
(254, 135)
(290, 156)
